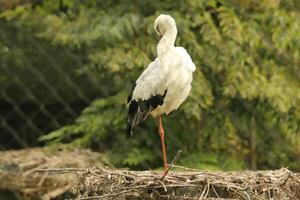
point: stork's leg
(162, 138)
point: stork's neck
(167, 42)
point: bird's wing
(147, 94)
(186, 60)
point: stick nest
(121, 184)
(66, 173)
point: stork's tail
(129, 130)
(139, 110)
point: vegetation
(244, 108)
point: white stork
(165, 83)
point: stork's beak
(158, 32)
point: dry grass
(18, 171)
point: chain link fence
(40, 89)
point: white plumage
(175, 77)
(165, 83)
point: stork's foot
(169, 166)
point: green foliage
(247, 78)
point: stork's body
(166, 82)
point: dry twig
(171, 165)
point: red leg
(162, 138)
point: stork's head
(163, 24)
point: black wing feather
(140, 109)
(130, 94)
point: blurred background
(67, 66)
